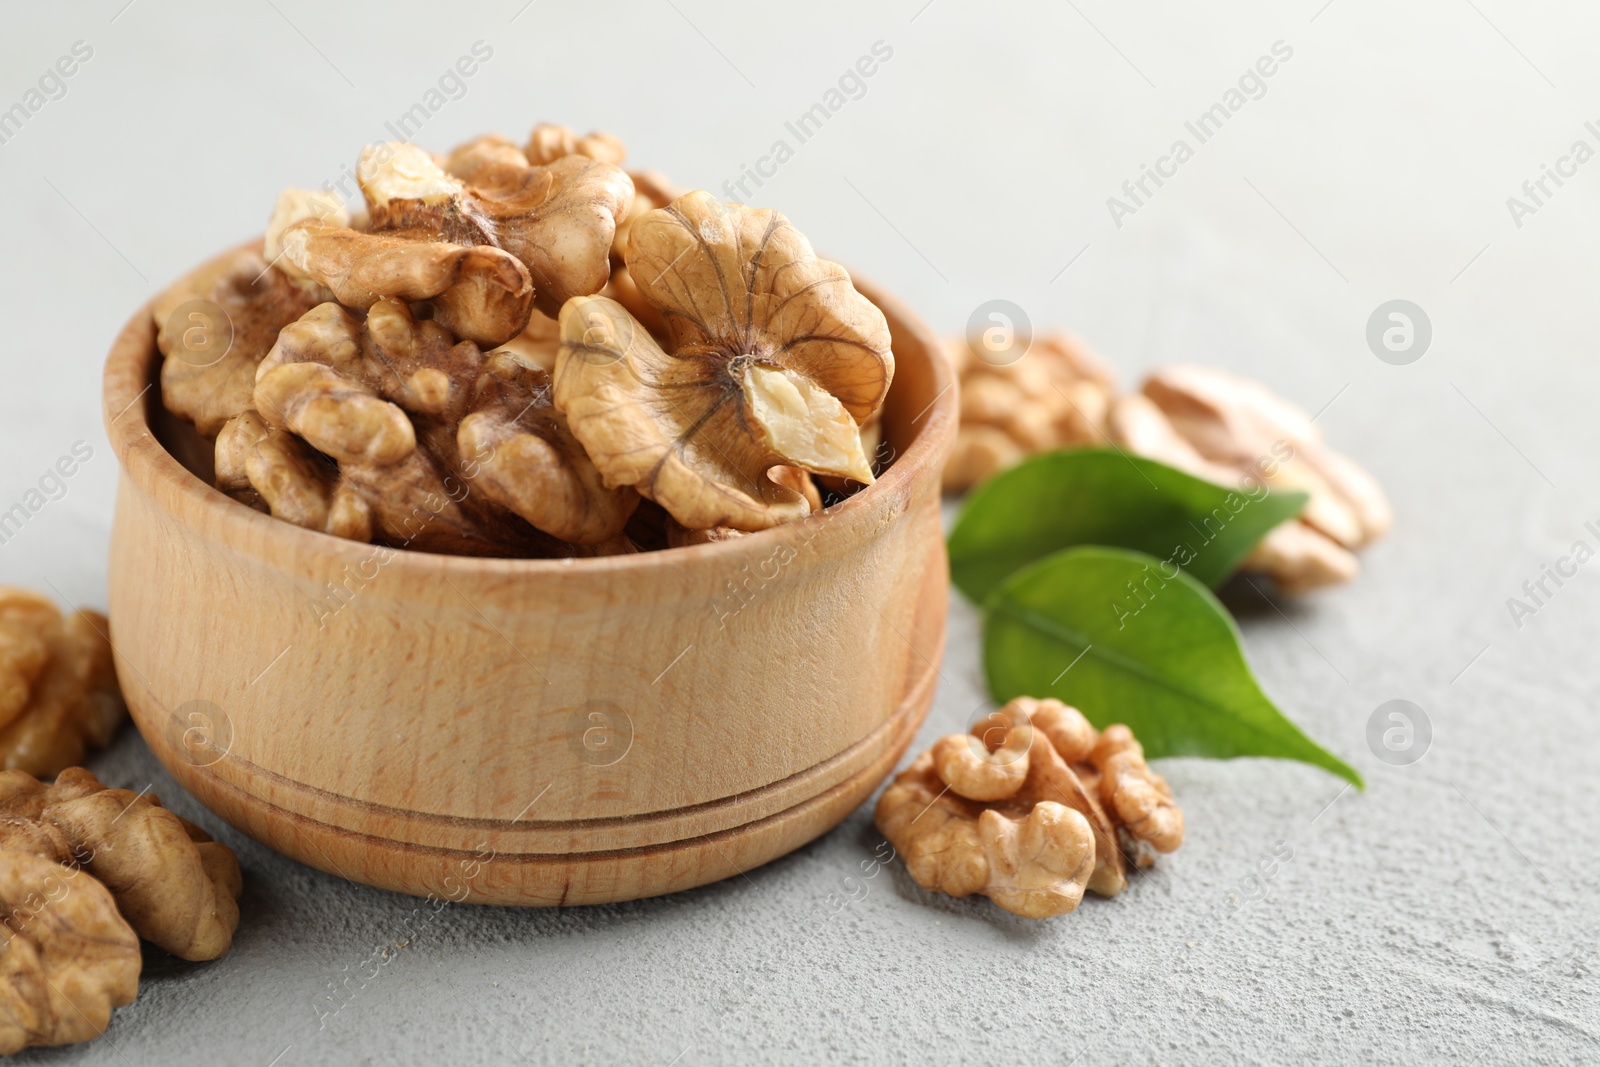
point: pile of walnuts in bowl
(527, 351)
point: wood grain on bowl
(527, 731)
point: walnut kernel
(58, 684)
(1031, 809)
(780, 372)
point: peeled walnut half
(550, 141)
(532, 464)
(214, 326)
(558, 219)
(480, 294)
(177, 887)
(85, 872)
(1034, 862)
(1213, 425)
(773, 359)
(68, 958)
(389, 429)
(380, 399)
(1233, 431)
(58, 686)
(1240, 424)
(260, 464)
(1031, 809)
(1055, 395)
(174, 885)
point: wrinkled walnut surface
(210, 388)
(558, 218)
(1055, 396)
(68, 959)
(480, 294)
(773, 359)
(1030, 809)
(58, 686)
(85, 872)
(175, 886)
(534, 466)
(389, 429)
(513, 344)
(1203, 421)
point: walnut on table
(85, 872)
(174, 885)
(1056, 395)
(58, 686)
(1240, 426)
(1298, 558)
(1205, 422)
(1030, 809)
(69, 957)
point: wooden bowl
(527, 731)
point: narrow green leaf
(1092, 496)
(1126, 639)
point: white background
(1444, 914)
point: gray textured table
(1446, 915)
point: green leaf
(1096, 496)
(1127, 640)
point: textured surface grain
(1405, 929)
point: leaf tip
(1349, 774)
